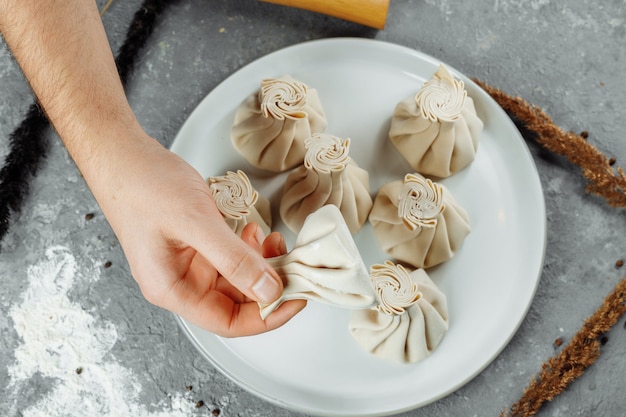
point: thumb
(242, 265)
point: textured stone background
(567, 57)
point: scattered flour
(71, 348)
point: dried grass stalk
(582, 351)
(603, 179)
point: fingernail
(260, 236)
(266, 288)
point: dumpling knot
(394, 287)
(420, 202)
(442, 97)
(326, 153)
(283, 99)
(233, 194)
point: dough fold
(418, 221)
(239, 202)
(271, 124)
(411, 319)
(324, 265)
(327, 176)
(437, 131)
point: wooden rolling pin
(372, 13)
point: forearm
(181, 252)
(62, 48)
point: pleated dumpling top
(418, 221)
(437, 130)
(239, 202)
(327, 176)
(271, 124)
(410, 320)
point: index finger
(236, 261)
(221, 315)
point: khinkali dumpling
(239, 202)
(271, 125)
(324, 265)
(437, 130)
(410, 320)
(328, 176)
(418, 221)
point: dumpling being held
(418, 221)
(239, 202)
(271, 125)
(437, 131)
(324, 266)
(328, 176)
(410, 320)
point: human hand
(181, 252)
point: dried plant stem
(582, 351)
(106, 7)
(603, 180)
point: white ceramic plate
(312, 364)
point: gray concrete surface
(567, 57)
